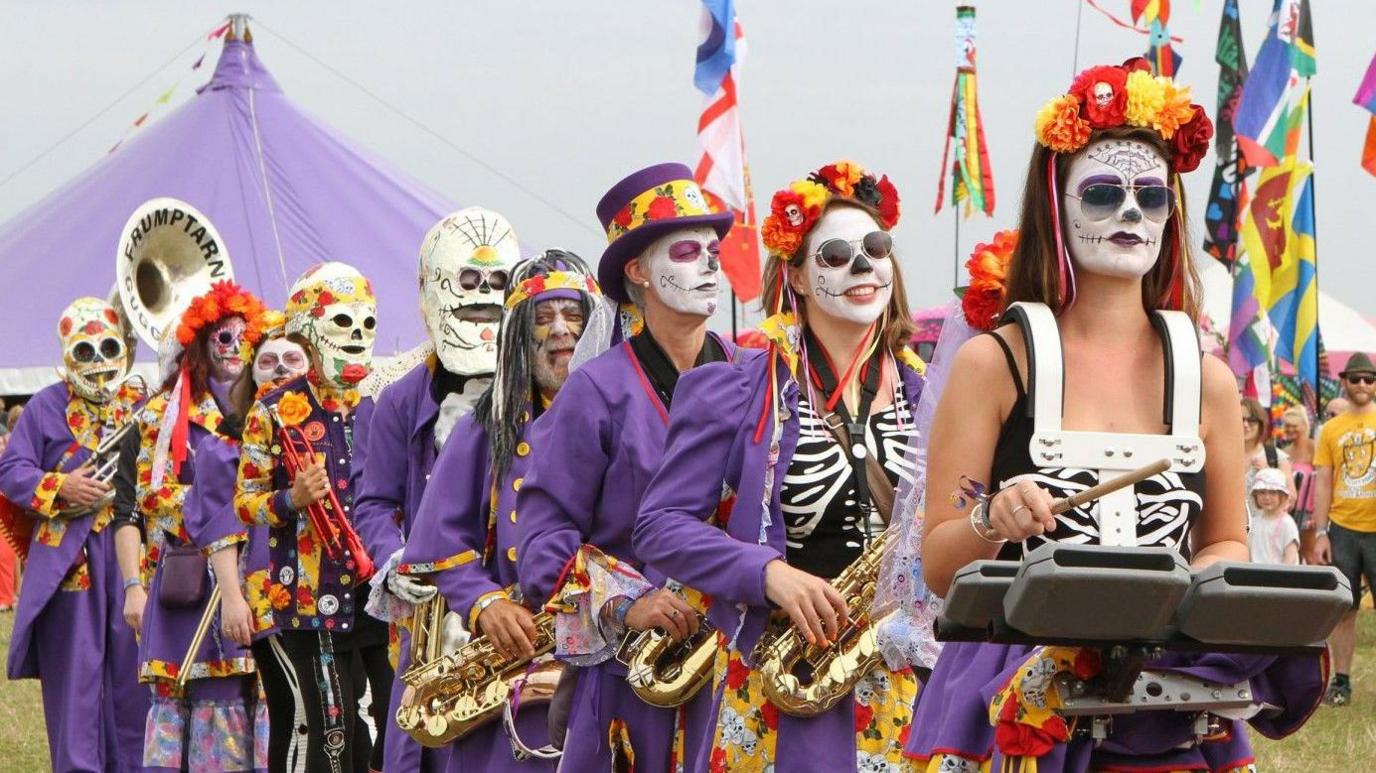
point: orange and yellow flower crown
(795, 210)
(1107, 97)
(225, 299)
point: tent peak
(239, 29)
(240, 68)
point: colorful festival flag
(1273, 98)
(722, 170)
(1156, 14)
(1366, 97)
(1221, 214)
(972, 177)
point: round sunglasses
(1102, 201)
(837, 253)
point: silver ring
(673, 612)
(1020, 508)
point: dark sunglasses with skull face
(109, 348)
(838, 253)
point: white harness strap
(1112, 453)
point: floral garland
(225, 299)
(1107, 97)
(795, 210)
(983, 300)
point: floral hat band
(553, 284)
(796, 209)
(1107, 97)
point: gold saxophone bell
(666, 673)
(832, 672)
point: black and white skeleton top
(827, 528)
(1159, 511)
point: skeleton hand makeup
(93, 349)
(558, 326)
(465, 266)
(858, 291)
(333, 306)
(222, 346)
(1117, 201)
(279, 359)
(685, 270)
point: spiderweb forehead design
(1127, 157)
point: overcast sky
(566, 98)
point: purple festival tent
(283, 190)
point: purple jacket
(712, 443)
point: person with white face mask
(594, 451)
(1100, 291)
(818, 430)
(464, 267)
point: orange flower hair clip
(794, 210)
(225, 299)
(983, 300)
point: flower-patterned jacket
(308, 590)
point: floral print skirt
(212, 730)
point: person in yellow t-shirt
(1345, 508)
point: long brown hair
(1034, 271)
(896, 326)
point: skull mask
(223, 347)
(93, 349)
(333, 307)
(278, 359)
(465, 266)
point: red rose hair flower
(1103, 93)
(1191, 141)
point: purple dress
(69, 630)
(592, 455)
(467, 542)
(393, 454)
(712, 443)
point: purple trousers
(88, 660)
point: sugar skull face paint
(279, 360)
(684, 268)
(558, 326)
(859, 289)
(1117, 202)
(465, 266)
(93, 350)
(222, 345)
(333, 307)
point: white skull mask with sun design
(333, 307)
(93, 349)
(465, 266)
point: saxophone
(451, 695)
(667, 674)
(836, 669)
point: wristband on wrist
(980, 525)
(622, 607)
(1320, 532)
(131, 582)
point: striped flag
(1221, 214)
(972, 177)
(1294, 307)
(1273, 98)
(1366, 97)
(722, 170)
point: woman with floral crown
(212, 718)
(817, 431)
(1100, 287)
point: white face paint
(1123, 242)
(685, 270)
(858, 291)
(279, 360)
(222, 346)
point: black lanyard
(855, 429)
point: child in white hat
(1274, 539)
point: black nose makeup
(861, 265)
(1133, 215)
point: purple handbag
(185, 579)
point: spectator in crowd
(1335, 407)
(4, 419)
(1274, 538)
(1299, 444)
(1345, 507)
(9, 562)
(1259, 451)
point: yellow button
(522, 448)
(513, 516)
(516, 484)
(511, 554)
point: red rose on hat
(888, 202)
(623, 218)
(1191, 141)
(662, 208)
(1137, 63)
(1103, 92)
(326, 298)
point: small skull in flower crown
(794, 213)
(1103, 94)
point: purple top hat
(643, 207)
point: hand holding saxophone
(663, 609)
(817, 609)
(81, 488)
(311, 486)
(510, 627)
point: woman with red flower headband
(216, 722)
(1100, 288)
(817, 430)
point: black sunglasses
(836, 253)
(1366, 380)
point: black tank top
(1167, 504)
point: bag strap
(881, 490)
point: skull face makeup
(333, 307)
(278, 360)
(465, 266)
(857, 291)
(684, 270)
(222, 346)
(93, 350)
(1117, 203)
(558, 326)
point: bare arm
(1321, 552)
(1221, 533)
(128, 550)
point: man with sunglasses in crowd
(1345, 508)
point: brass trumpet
(105, 458)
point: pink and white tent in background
(284, 191)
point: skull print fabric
(465, 266)
(93, 350)
(333, 307)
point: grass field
(1334, 740)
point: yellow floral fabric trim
(256, 586)
(619, 740)
(161, 670)
(426, 567)
(480, 605)
(44, 500)
(254, 494)
(674, 199)
(555, 280)
(224, 542)
(78, 579)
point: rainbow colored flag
(1366, 98)
(1156, 14)
(1274, 96)
(1221, 214)
(972, 177)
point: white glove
(410, 589)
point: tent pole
(1314, 202)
